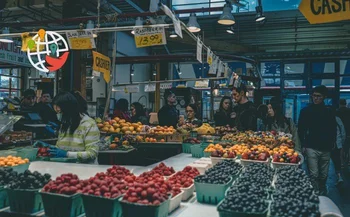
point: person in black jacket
(317, 133)
(168, 115)
(222, 116)
(244, 113)
(45, 108)
(344, 114)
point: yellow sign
(25, 43)
(80, 43)
(149, 36)
(325, 11)
(102, 64)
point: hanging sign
(214, 66)
(10, 53)
(176, 21)
(150, 87)
(102, 63)
(167, 85)
(201, 84)
(54, 54)
(199, 50)
(220, 69)
(177, 27)
(325, 11)
(149, 36)
(209, 57)
(81, 40)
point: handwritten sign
(325, 11)
(81, 40)
(149, 36)
(102, 64)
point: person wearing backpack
(336, 154)
(276, 121)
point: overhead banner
(81, 40)
(102, 63)
(149, 36)
(325, 11)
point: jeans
(318, 164)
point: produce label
(149, 36)
(81, 40)
(325, 11)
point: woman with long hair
(222, 116)
(138, 113)
(191, 118)
(78, 135)
(276, 121)
(122, 110)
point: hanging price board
(149, 36)
(81, 40)
(167, 85)
(150, 87)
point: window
(294, 84)
(294, 68)
(10, 82)
(322, 67)
(325, 82)
(270, 69)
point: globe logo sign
(51, 51)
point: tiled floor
(340, 195)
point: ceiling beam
(130, 2)
(114, 7)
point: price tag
(149, 36)
(81, 40)
(80, 43)
(167, 85)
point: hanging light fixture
(259, 12)
(132, 70)
(173, 34)
(155, 70)
(138, 23)
(178, 68)
(226, 17)
(91, 25)
(6, 30)
(230, 30)
(192, 24)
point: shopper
(122, 108)
(45, 108)
(244, 113)
(78, 135)
(344, 114)
(168, 115)
(191, 118)
(262, 113)
(318, 132)
(138, 114)
(28, 101)
(222, 117)
(337, 152)
(276, 121)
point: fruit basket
(25, 201)
(188, 192)
(4, 200)
(197, 151)
(227, 213)
(211, 193)
(278, 164)
(21, 168)
(27, 152)
(246, 162)
(135, 209)
(59, 205)
(99, 206)
(175, 202)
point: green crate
(186, 148)
(29, 153)
(59, 205)
(136, 210)
(206, 154)
(4, 199)
(21, 168)
(227, 213)
(197, 151)
(5, 153)
(99, 206)
(211, 193)
(25, 201)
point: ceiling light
(91, 25)
(192, 24)
(138, 23)
(6, 39)
(230, 30)
(226, 17)
(259, 13)
(173, 34)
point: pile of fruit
(7, 175)
(192, 141)
(118, 125)
(163, 170)
(67, 184)
(29, 180)
(162, 130)
(152, 140)
(239, 149)
(257, 152)
(283, 154)
(11, 161)
(122, 144)
(43, 152)
(223, 130)
(212, 148)
(184, 178)
(205, 129)
(221, 173)
(224, 154)
(236, 137)
(294, 195)
(118, 172)
(186, 128)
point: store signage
(81, 40)
(202, 84)
(9, 53)
(199, 50)
(54, 54)
(150, 87)
(167, 85)
(209, 56)
(149, 36)
(325, 11)
(102, 63)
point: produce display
(118, 125)
(28, 180)
(239, 149)
(6, 176)
(186, 128)
(205, 129)
(150, 194)
(122, 144)
(223, 130)
(163, 170)
(291, 176)
(162, 130)
(218, 151)
(11, 161)
(150, 139)
(67, 184)
(221, 173)
(258, 153)
(283, 154)
(118, 172)
(184, 178)
(192, 141)
(103, 185)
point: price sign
(81, 40)
(149, 36)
